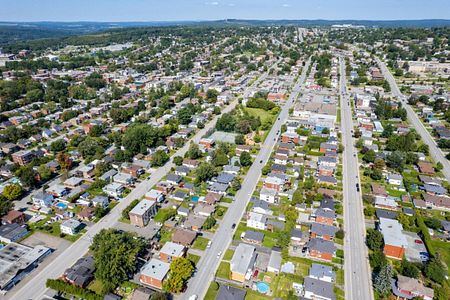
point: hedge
(64, 287)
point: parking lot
(415, 248)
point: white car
(219, 254)
(193, 297)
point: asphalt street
(36, 289)
(356, 266)
(209, 262)
(435, 152)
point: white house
(268, 195)
(394, 179)
(70, 227)
(256, 220)
(114, 190)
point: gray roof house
(242, 262)
(322, 272)
(318, 289)
(227, 292)
(274, 262)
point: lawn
(443, 248)
(200, 243)
(212, 291)
(228, 254)
(253, 295)
(194, 258)
(165, 236)
(224, 270)
(282, 284)
(265, 116)
(96, 286)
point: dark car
(233, 226)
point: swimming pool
(195, 199)
(262, 287)
(61, 205)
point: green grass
(228, 254)
(194, 258)
(265, 116)
(200, 243)
(96, 286)
(253, 295)
(166, 236)
(443, 248)
(340, 276)
(212, 291)
(224, 270)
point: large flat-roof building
(395, 242)
(141, 213)
(16, 261)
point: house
(10, 233)
(212, 198)
(182, 170)
(395, 242)
(290, 137)
(81, 273)
(325, 147)
(321, 249)
(409, 288)
(437, 202)
(87, 171)
(323, 231)
(327, 180)
(299, 238)
(227, 292)
(23, 157)
(184, 237)
(322, 272)
(73, 182)
(154, 272)
(171, 251)
(194, 222)
(242, 262)
(318, 290)
(16, 260)
(57, 190)
(274, 183)
(133, 170)
(100, 201)
(234, 170)
(378, 190)
(70, 227)
(179, 196)
(386, 202)
(325, 216)
(183, 211)
(268, 195)
(114, 190)
(140, 214)
(394, 179)
(174, 179)
(219, 188)
(123, 178)
(261, 207)
(14, 217)
(388, 214)
(426, 167)
(191, 163)
(256, 220)
(108, 176)
(434, 189)
(42, 199)
(430, 180)
(154, 195)
(253, 237)
(203, 209)
(274, 262)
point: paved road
(356, 266)
(435, 152)
(208, 264)
(35, 288)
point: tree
(239, 139)
(194, 151)
(409, 269)
(158, 296)
(96, 131)
(178, 160)
(236, 184)
(90, 147)
(382, 280)
(435, 271)
(12, 192)
(297, 196)
(374, 239)
(64, 161)
(369, 156)
(180, 270)
(209, 223)
(245, 159)
(204, 172)
(58, 145)
(27, 175)
(219, 158)
(159, 158)
(115, 255)
(44, 172)
(5, 205)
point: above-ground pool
(61, 205)
(262, 287)
(195, 199)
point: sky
(175, 10)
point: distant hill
(16, 32)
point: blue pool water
(262, 287)
(195, 199)
(61, 205)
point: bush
(64, 287)
(126, 211)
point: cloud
(212, 3)
(286, 5)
